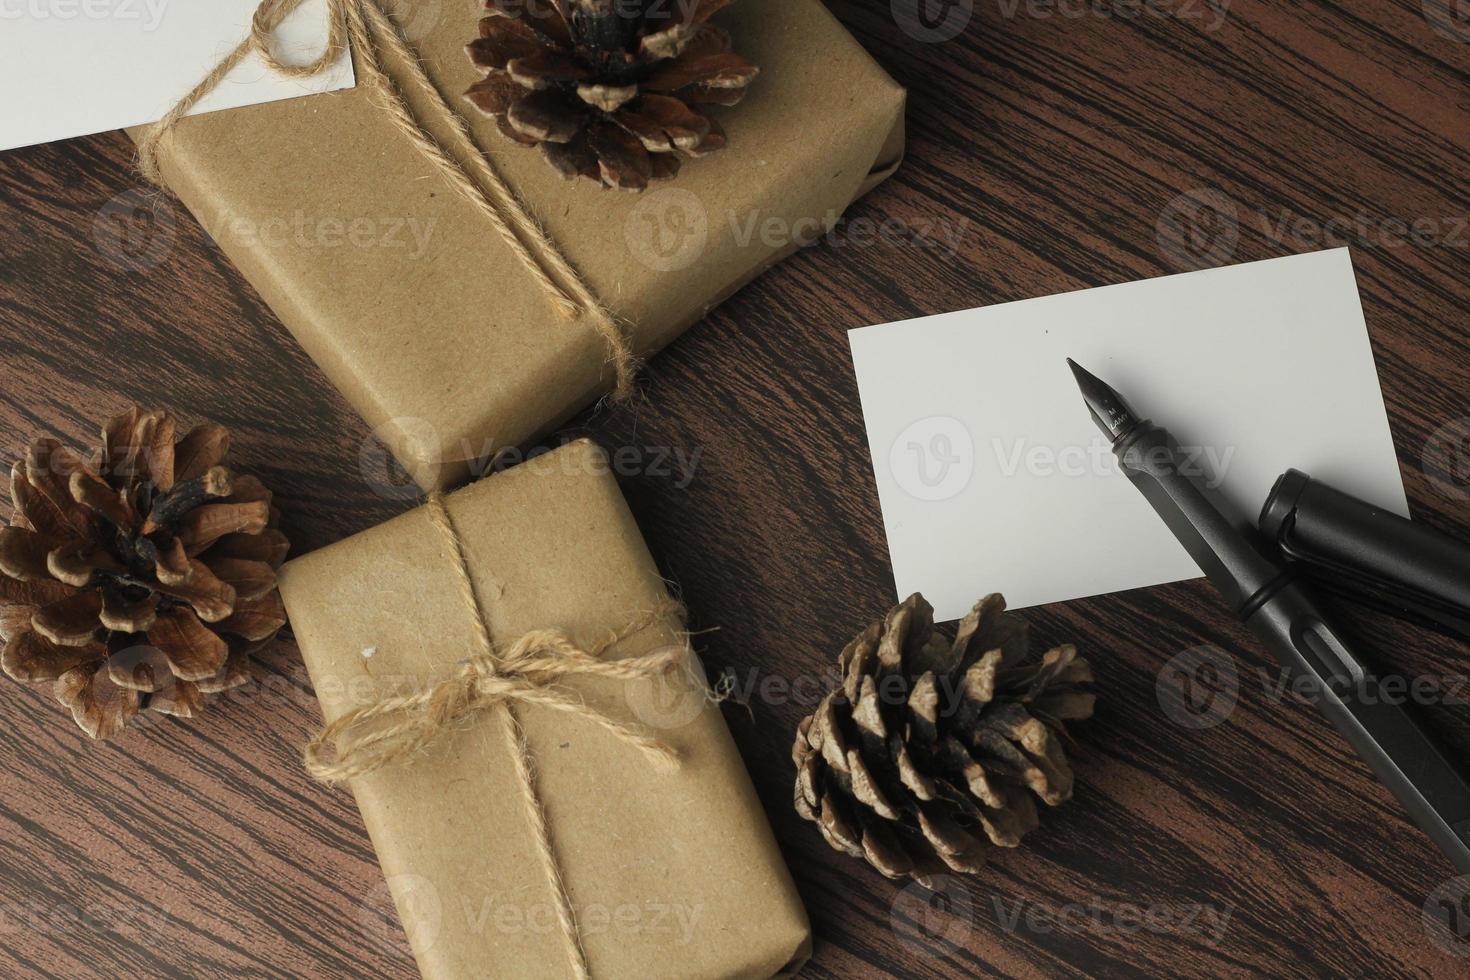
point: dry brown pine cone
(608, 89)
(141, 579)
(931, 749)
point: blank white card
(75, 67)
(993, 478)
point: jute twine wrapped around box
(524, 672)
(372, 32)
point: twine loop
(372, 33)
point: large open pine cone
(608, 89)
(143, 578)
(932, 750)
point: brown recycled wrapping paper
(671, 874)
(424, 319)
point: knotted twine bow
(371, 737)
(372, 32)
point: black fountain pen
(1285, 618)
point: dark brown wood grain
(1049, 140)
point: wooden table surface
(1052, 146)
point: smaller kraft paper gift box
(460, 322)
(546, 782)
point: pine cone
(931, 750)
(608, 89)
(144, 578)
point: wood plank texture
(1049, 144)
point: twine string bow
(372, 33)
(388, 730)
(525, 672)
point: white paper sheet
(74, 67)
(993, 477)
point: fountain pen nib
(1109, 410)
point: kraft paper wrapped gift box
(671, 874)
(436, 334)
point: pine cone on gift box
(143, 578)
(932, 750)
(610, 90)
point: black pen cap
(1350, 547)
